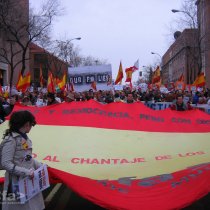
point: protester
(129, 99)
(117, 98)
(18, 162)
(179, 104)
(26, 101)
(51, 99)
(40, 97)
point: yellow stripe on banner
(112, 154)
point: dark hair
(179, 95)
(18, 120)
(51, 95)
(116, 95)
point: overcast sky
(118, 30)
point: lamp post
(64, 48)
(77, 38)
(154, 53)
(188, 14)
(68, 41)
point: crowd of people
(181, 100)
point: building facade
(17, 19)
(36, 57)
(40, 58)
(182, 57)
(204, 33)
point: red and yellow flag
(143, 158)
(62, 83)
(200, 81)
(41, 78)
(23, 82)
(129, 72)
(119, 75)
(156, 75)
(50, 83)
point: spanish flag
(41, 78)
(62, 83)
(50, 83)
(129, 72)
(119, 75)
(23, 82)
(200, 80)
(156, 75)
(125, 156)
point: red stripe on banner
(163, 192)
(120, 116)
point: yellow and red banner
(41, 77)
(119, 75)
(62, 83)
(129, 72)
(156, 76)
(50, 83)
(124, 156)
(23, 82)
(200, 80)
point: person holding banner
(17, 160)
(179, 104)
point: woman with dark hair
(18, 162)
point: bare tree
(67, 52)
(19, 29)
(92, 61)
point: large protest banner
(125, 156)
(82, 77)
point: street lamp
(62, 43)
(154, 53)
(77, 38)
(187, 13)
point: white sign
(202, 107)
(28, 188)
(158, 105)
(118, 87)
(164, 89)
(83, 77)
